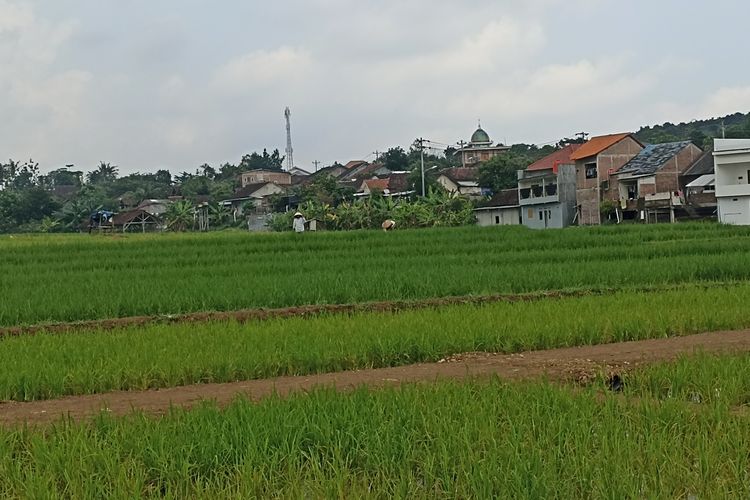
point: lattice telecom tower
(289, 150)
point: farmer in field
(298, 224)
(388, 225)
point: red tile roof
(461, 174)
(560, 157)
(598, 144)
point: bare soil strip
(259, 314)
(574, 363)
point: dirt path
(258, 314)
(577, 363)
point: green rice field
(76, 277)
(677, 429)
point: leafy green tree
(265, 161)
(501, 172)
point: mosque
(479, 149)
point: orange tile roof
(559, 157)
(597, 144)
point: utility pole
(316, 163)
(723, 130)
(377, 155)
(421, 155)
(461, 145)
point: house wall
(590, 192)
(544, 216)
(734, 210)
(498, 216)
(668, 177)
(447, 184)
(258, 176)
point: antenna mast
(289, 150)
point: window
(541, 215)
(591, 170)
(497, 219)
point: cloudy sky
(148, 84)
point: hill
(701, 132)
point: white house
(732, 180)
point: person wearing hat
(298, 224)
(388, 225)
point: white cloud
(263, 68)
(727, 100)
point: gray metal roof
(703, 166)
(652, 158)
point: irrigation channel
(574, 364)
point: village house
(258, 194)
(394, 186)
(596, 160)
(480, 149)
(698, 183)
(547, 190)
(649, 184)
(462, 181)
(260, 176)
(732, 170)
(501, 210)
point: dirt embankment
(578, 364)
(258, 314)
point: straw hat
(297, 214)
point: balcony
(536, 195)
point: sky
(174, 84)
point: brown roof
(504, 198)
(354, 163)
(559, 157)
(377, 184)
(461, 174)
(398, 183)
(598, 144)
(124, 217)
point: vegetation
(438, 208)
(157, 356)
(701, 132)
(447, 441)
(74, 277)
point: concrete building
(732, 171)
(649, 185)
(480, 149)
(501, 210)
(262, 176)
(596, 161)
(547, 191)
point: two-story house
(732, 171)
(547, 190)
(596, 160)
(278, 177)
(650, 184)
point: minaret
(289, 150)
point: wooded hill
(701, 132)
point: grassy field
(469, 440)
(67, 278)
(160, 355)
(677, 430)
(704, 378)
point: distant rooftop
(652, 158)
